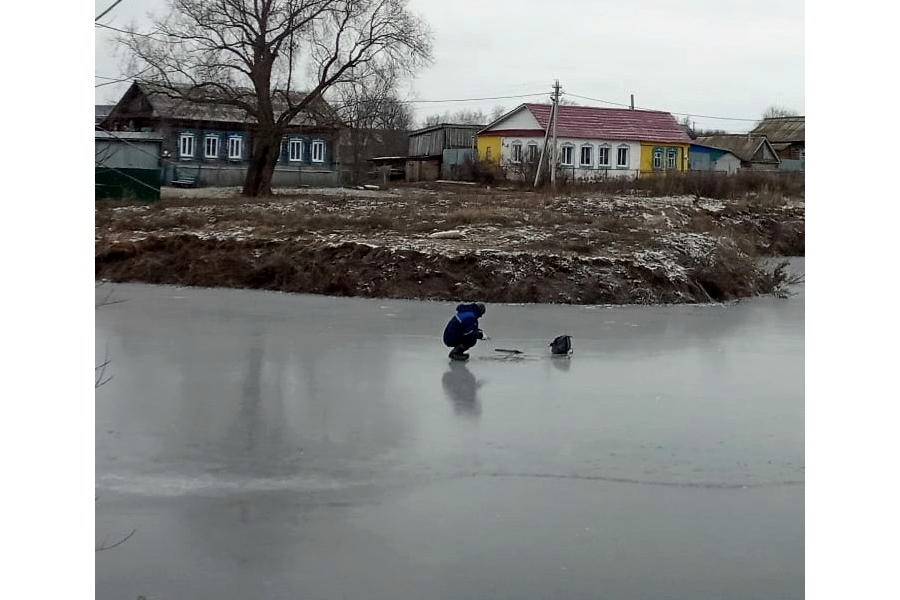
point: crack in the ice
(609, 479)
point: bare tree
(463, 116)
(247, 54)
(374, 116)
(775, 111)
(702, 132)
(435, 119)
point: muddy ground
(453, 242)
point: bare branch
(106, 300)
(245, 53)
(103, 546)
(100, 377)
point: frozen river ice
(267, 445)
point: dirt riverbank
(455, 242)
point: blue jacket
(464, 325)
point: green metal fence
(127, 184)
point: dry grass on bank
(516, 245)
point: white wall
(522, 119)
(729, 163)
(579, 171)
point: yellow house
(488, 147)
(661, 157)
(592, 142)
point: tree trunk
(267, 139)
(264, 154)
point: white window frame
(516, 150)
(658, 158)
(622, 164)
(206, 142)
(295, 143)
(186, 145)
(590, 151)
(671, 158)
(603, 164)
(318, 149)
(562, 155)
(532, 153)
(235, 147)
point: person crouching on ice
(462, 330)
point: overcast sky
(725, 58)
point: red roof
(590, 122)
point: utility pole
(553, 148)
(545, 150)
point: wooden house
(210, 144)
(788, 138)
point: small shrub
(487, 172)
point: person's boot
(458, 353)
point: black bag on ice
(561, 345)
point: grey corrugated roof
(166, 104)
(443, 125)
(740, 144)
(782, 129)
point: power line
(146, 35)
(105, 26)
(670, 112)
(427, 101)
(474, 99)
(112, 6)
(113, 80)
(596, 100)
(100, 163)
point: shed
(709, 158)
(754, 151)
(389, 167)
(128, 164)
(427, 146)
